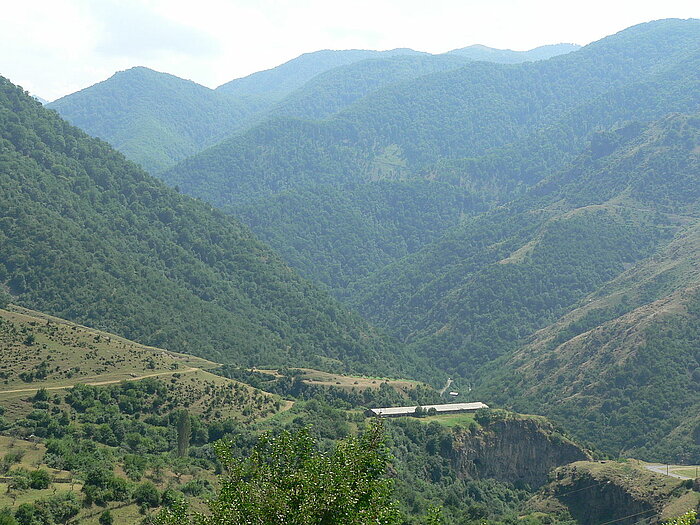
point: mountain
(157, 119)
(274, 84)
(578, 300)
(508, 56)
(332, 91)
(154, 118)
(622, 370)
(486, 131)
(90, 237)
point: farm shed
(450, 408)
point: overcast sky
(56, 47)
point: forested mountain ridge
(332, 91)
(276, 83)
(508, 56)
(602, 258)
(470, 296)
(155, 119)
(89, 236)
(545, 109)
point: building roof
(408, 411)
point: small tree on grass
(147, 495)
(39, 479)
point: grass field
(317, 377)
(692, 471)
(35, 346)
(450, 420)
(41, 351)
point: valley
(202, 291)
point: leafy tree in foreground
(286, 479)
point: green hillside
(593, 241)
(475, 293)
(90, 237)
(453, 114)
(621, 370)
(332, 91)
(339, 235)
(405, 132)
(155, 119)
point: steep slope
(612, 492)
(88, 236)
(339, 235)
(518, 122)
(508, 56)
(154, 118)
(623, 369)
(482, 288)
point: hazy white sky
(56, 47)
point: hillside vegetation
(515, 124)
(155, 119)
(89, 236)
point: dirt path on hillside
(447, 385)
(100, 383)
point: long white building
(449, 408)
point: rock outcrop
(518, 450)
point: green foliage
(6, 517)
(154, 118)
(61, 507)
(184, 432)
(686, 519)
(5, 297)
(39, 479)
(287, 480)
(106, 518)
(147, 494)
(147, 263)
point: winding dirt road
(100, 383)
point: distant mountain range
(157, 119)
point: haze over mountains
(157, 119)
(527, 224)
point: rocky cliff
(514, 449)
(623, 493)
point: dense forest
(91, 237)
(477, 129)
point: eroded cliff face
(601, 492)
(518, 451)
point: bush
(106, 518)
(147, 494)
(39, 479)
(6, 517)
